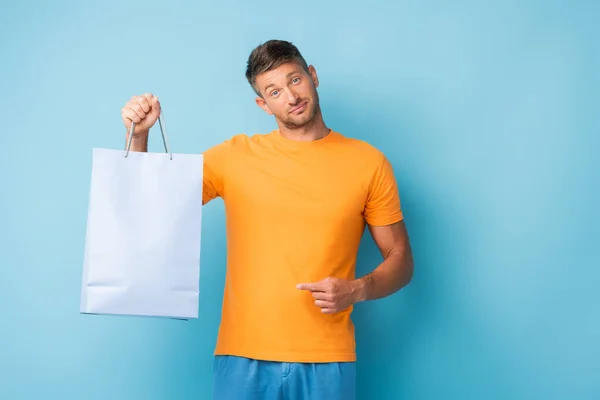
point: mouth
(299, 108)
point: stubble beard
(302, 120)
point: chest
(292, 186)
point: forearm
(391, 275)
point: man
(297, 200)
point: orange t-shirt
(295, 212)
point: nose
(292, 96)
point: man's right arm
(144, 111)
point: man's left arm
(333, 295)
(394, 272)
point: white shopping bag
(142, 249)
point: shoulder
(359, 144)
(361, 149)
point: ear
(263, 104)
(313, 75)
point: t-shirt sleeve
(383, 201)
(215, 171)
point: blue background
(488, 111)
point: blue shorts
(239, 378)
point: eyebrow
(287, 76)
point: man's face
(289, 93)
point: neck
(314, 130)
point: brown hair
(269, 55)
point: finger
(131, 115)
(306, 286)
(148, 97)
(322, 296)
(328, 310)
(144, 102)
(315, 286)
(324, 304)
(137, 108)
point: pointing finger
(305, 286)
(315, 286)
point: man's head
(285, 84)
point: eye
(296, 80)
(274, 93)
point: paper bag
(142, 248)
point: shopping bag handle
(163, 131)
